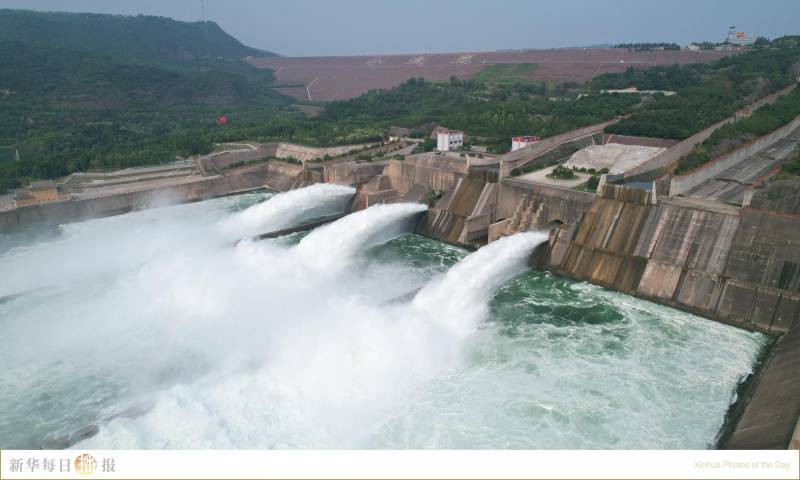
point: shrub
(562, 173)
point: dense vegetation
(672, 77)
(792, 166)
(562, 173)
(730, 137)
(143, 38)
(706, 93)
(492, 116)
(649, 46)
(87, 91)
(70, 111)
(705, 45)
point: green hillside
(73, 110)
(142, 38)
(82, 91)
(706, 93)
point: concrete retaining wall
(282, 176)
(563, 204)
(682, 183)
(305, 153)
(352, 173)
(217, 162)
(405, 174)
(522, 156)
(77, 210)
(739, 267)
(564, 151)
(664, 162)
(463, 214)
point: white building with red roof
(522, 142)
(448, 140)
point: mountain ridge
(143, 38)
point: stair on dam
(523, 217)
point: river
(161, 330)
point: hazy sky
(345, 27)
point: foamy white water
(273, 345)
(459, 299)
(290, 208)
(108, 245)
(330, 246)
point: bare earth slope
(336, 78)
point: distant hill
(82, 91)
(142, 38)
(61, 79)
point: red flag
(222, 120)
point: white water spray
(334, 366)
(329, 248)
(290, 208)
(458, 300)
(106, 246)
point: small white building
(447, 140)
(522, 142)
(740, 38)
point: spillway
(294, 343)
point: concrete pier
(299, 228)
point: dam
(400, 291)
(355, 334)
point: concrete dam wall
(275, 175)
(219, 161)
(305, 153)
(436, 174)
(282, 176)
(714, 262)
(463, 214)
(738, 266)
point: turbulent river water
(318, 340)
